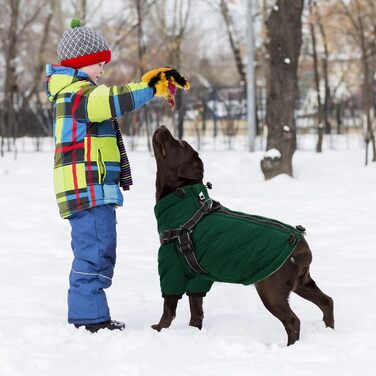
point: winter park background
(330, 195)
(331, 191)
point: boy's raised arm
(99, 103)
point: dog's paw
(157, 327)
(196, 324)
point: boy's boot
(110, 325)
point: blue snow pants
(94, 249)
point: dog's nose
(160, 128)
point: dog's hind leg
(197, 313)
(274, 292)
(308, 289)
(169, 313)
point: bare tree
(8, 121)
(325, 69)
(285, 39)
(172, 22)
(230, 123)
(234, 40)
(142, 9)
(24, 62)
(39, 63)
(320, 108)
(80, 9)
(362, 16)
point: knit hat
(81, 46)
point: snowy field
(333, 195)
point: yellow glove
(165, 81)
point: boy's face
(94, 71)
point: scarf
(125, 169)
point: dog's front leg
(197, 313)
(169, 313)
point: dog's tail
(302, 255)
(302, 258)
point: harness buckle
(166, 235)
(292, 240)
(205, 207)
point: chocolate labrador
(179, 175)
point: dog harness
(183, 233)
(203, 241)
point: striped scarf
(125, 169)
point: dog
(183, 263)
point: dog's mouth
(159, 150)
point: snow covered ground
(332, 195)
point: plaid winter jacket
(87, 158)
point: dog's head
(178, 164)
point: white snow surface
(332, 194)
(273, 153)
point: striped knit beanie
(81, 46)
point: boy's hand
(165, 81)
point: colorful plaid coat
(87, 158)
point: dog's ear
(192, 170)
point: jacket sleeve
(99, 103)
(198, 286)
(172, 274)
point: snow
(332, 195)
(272, 154)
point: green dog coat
(229, 246)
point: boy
(90, 164)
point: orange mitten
(165, 81)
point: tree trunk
(285, 33)
(140, 7)
(80, 10)
(179, 98)
(40, 62)
(327, 97)
(368, 97)
(234, 42)
(174, 21)
(320, 108)
(339, 117)
(9, 121)
(358, 18)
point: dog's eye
(182, 143)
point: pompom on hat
(81, 46)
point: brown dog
(179, 165)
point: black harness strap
(186, 247)
(183, 235)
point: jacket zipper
(101, 167)
(256, 219)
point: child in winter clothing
(90, 164)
